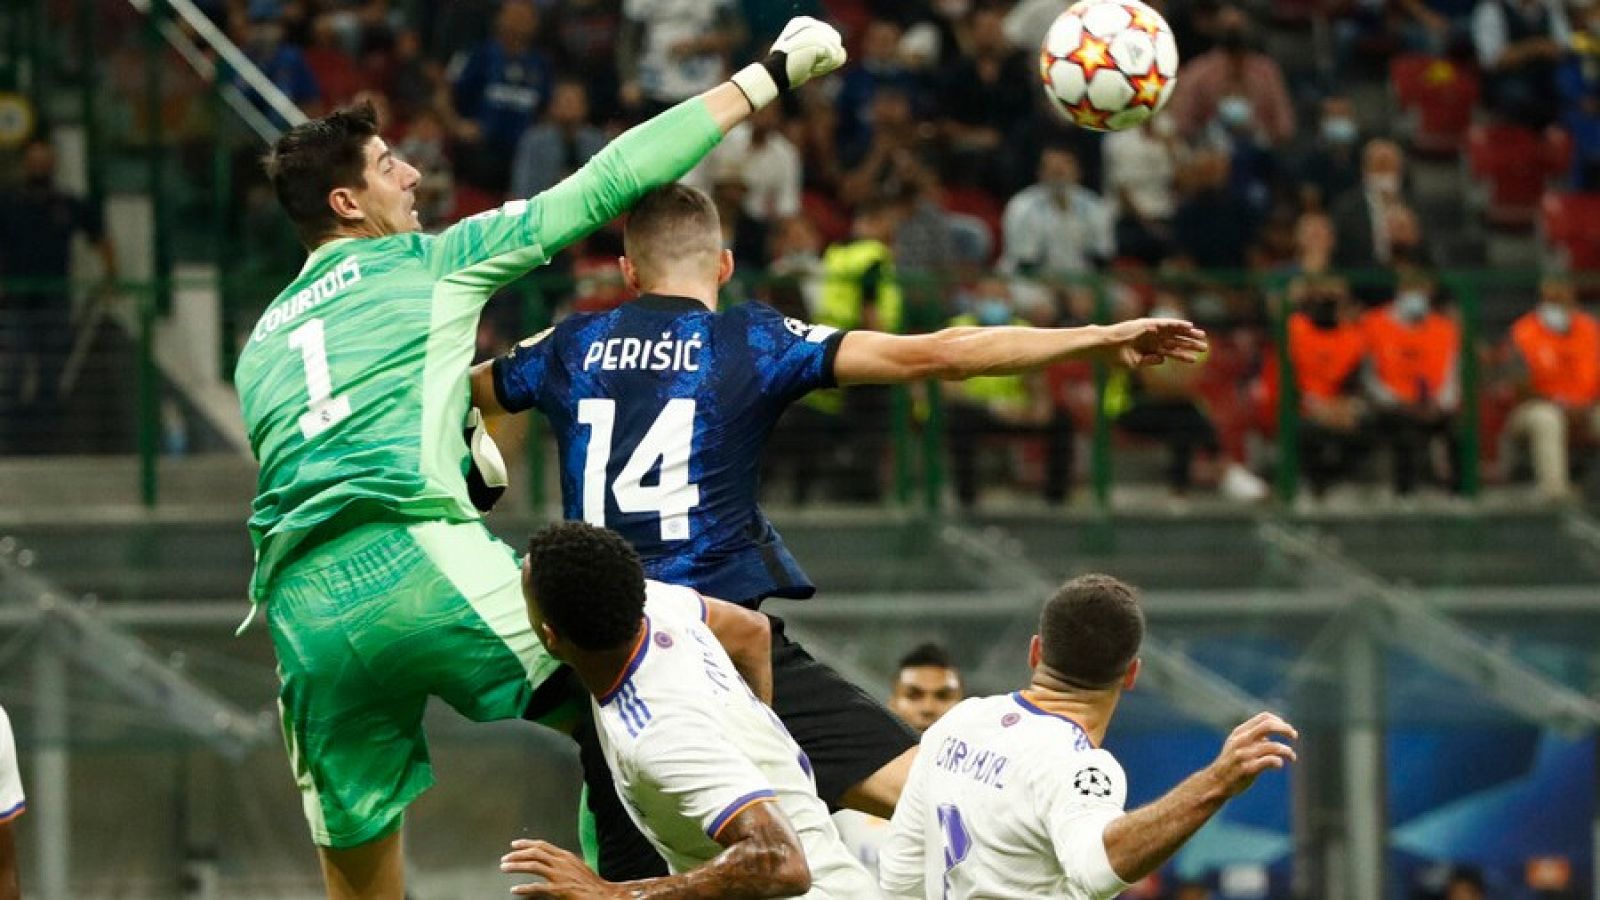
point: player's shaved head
(1090, 631)
(673, 229)
(313, 158)
(586, 584)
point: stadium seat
(1515, 162)
(1571, 222)
(1440, 96)
(829, 218)
(977, 203)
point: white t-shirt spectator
(690, 747)
(1049, 232)
(12, 801)
(771, 172)
(1005, 800)
(665, 24)
(1491, 34)
(1143, 164)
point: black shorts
(845, 732)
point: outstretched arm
(1139, 842)
(867, 357)
(763, 858)
(494, 247)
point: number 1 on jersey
(326, 410)
(669, 441)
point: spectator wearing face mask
(1332, 165)
(1326, 349)
(1374, 223)
(1556, 362)
(1236, 84)
(1056, 226)
(1004, 406)
(1410, 377)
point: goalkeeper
(380, 584)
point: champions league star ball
(1109, 65)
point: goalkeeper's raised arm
(655, 153)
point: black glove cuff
(777, 65)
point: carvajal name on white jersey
(328, 286)
(633, 355)
(983, 766)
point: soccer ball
(1109, 64)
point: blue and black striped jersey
(660, 409)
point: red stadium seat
(1441, 95)
(1571, 221)
(1557, 151)
(830, 220)
(979, 204)
(1515, 162)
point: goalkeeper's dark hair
(671, 223)
(926, 656)
(588, 583)
(315, 157)
(1091, 630)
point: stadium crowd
(931, 183)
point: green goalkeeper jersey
(354, 381)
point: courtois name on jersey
(661, 409)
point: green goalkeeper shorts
(367, 627)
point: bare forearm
(1009, 350)
(745, 871)
(755, 665)
(728, 105)
(1139, 842)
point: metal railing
(112, 341)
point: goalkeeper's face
(386, 203)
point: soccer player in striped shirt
(380, 583)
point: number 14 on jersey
(668, 442)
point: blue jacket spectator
(501, 87)
(557, 146)
(879, 68)
(283, 64)
(1579, 81)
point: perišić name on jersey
(632, 354)
(983, 766)
(326, 287)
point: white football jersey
(690, 747)
(12, 801)
(863, 835)
(1005, 801)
